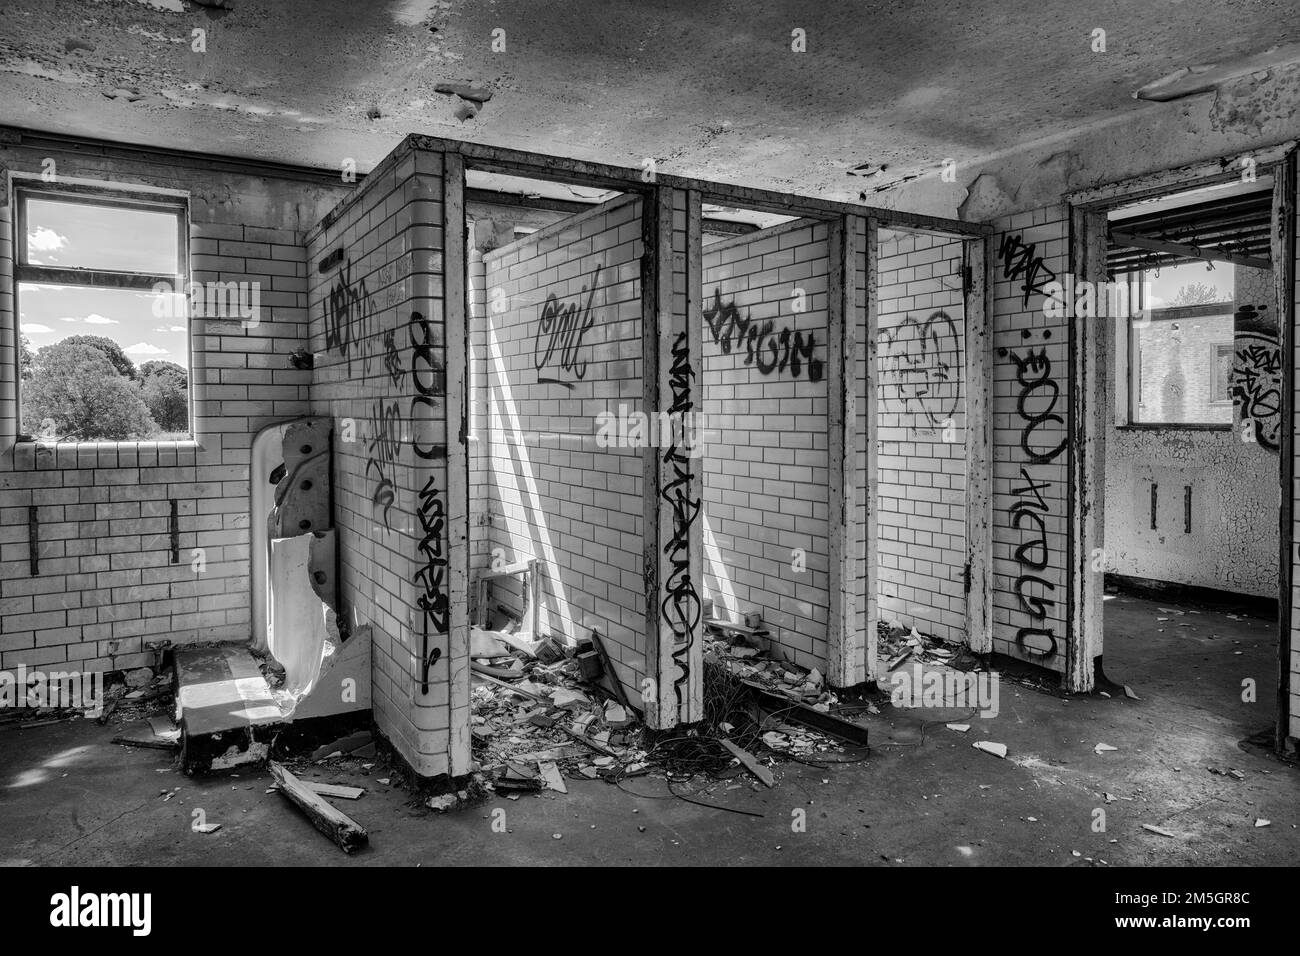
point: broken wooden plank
(502, 673)
(1159, 831)
(138, 733)
(334, 823)
(344, 745)
(512, 688)
(827, 723)
(107, 712)
(608, 666)
(335, 790)
(750, 762)
(584, 739)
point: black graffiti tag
(433, 600)
(771, 353)
(1036, 399)
(392, 360)
(348, 317)
(1033, 556)
(1036, 403)
(1019, 261)
(681, 606)
(1257, 384)
(385, 444)
(561, 328)
(430, 380)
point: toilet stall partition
(388, 328)
(387, 310)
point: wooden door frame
(1089, 408)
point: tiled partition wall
(765, 466)
(560, 347)
(920, 480)
(1031, 382)
(387, 330)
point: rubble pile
(535, 721)
(798, 683)
(898, 645)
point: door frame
(1089, 408)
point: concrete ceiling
(705, 89)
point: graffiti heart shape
(915, 369)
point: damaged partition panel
(388, 333)
(765, 327)
(560, 386)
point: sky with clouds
(76, 235)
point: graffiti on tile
(916, 371)
(765, 348)
(558, 346)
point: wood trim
(694, 320)
(674, 609)
(978, 256)
(1211, 254)
(1284, 277)
(841, 404)
(656, 235)
(1164, 181)
(94, 277)
(456, 332)
(871, 478)
(46, 142)
(1086, 459)
(600, 175)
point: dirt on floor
(1166, 779)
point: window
(104, 352)
(1181, 350)
(1223, 356)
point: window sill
(1173, 426)
(34, 455)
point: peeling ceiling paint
(711, 90)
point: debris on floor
(1157, 830)
(547, 722)
(540, 723)
(359, 744)
(328, 819)
(898, 644)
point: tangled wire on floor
(728, 712)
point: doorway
(1182, 441)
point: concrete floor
(69, 796)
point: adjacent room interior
(1192, 445)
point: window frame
(1133, 370)
(174, 204)
(1215, 351)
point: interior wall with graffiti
(765, 473)
(1197, 506)
(378, 339)
(558, 347)
(920, 480)
(1031, 384)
